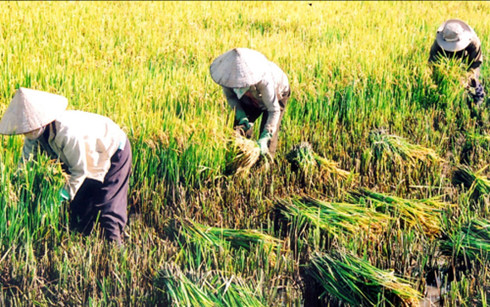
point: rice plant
(146, 66)
(356, 282)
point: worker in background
(456, 39)
(254, 87)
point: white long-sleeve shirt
(267, 92)
(85, 142)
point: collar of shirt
(241, 91)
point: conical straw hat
(30, 110)
(239, 67)
(454, 35)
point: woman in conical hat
(456, 39)
(95, 152)
(253, 86)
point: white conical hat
(454, 35)
(239, 67)
(30, 110)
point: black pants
(253, 113)
(107, 201)
(477, 93)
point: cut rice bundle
(477, 184)
(207, 289)
(337, 219)
(246, 153)
(386, 145)
(304, 158)
(355, 281)
(424, 213)
(223, 237)
(470, 241)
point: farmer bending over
(93, 150)
(253, 86)
(457, 39)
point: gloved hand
(64, 195)
(242, 120)
(263, 142)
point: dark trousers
(477, 93)
(107, 201)
(254, 112)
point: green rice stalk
(424, 213)
(336, 219)
(470, 241)
(304, 158)
(386, 145)
(355, 281)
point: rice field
(390, 198)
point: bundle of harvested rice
(304, 158)
(424, 213)
(469, 242)
(209, 289)
(355, 281)
(337, 219)
(223, 237)
(245, 153)
(391, 146)
(477, 185)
